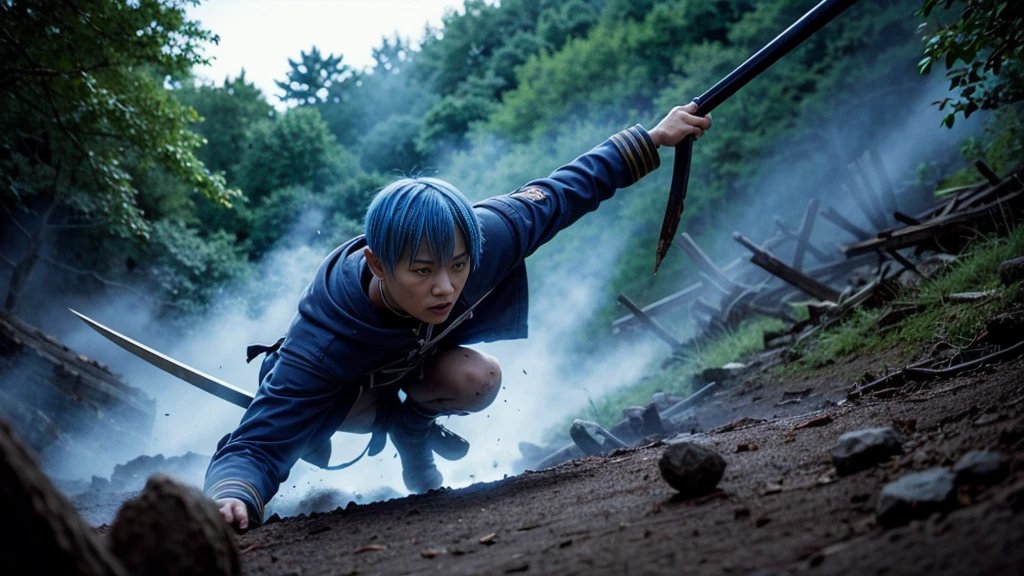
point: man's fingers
(234, 512)
(241, 514)
(690, 108)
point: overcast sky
(261, 35)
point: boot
(416, 437)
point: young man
(393, 309)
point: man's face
(425, 289)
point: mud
(780, 509)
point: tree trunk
(23, 269)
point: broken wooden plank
(839, 220)
(813, 250)
(913, 235)
(797, 279)
(884, 182)
(805, 234)
(652, 324)
(703, 262)
(987, 172)
(744, 274)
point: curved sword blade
(201, 380)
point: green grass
(977, 269)
(676, 376)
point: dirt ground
(781, 508)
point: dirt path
(781, 510)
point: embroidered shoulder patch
(532, 193)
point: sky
(261, 35)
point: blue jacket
(338, 343)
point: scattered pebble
(862, 449)
(989, 418)
(916, 495)
(691, 469)
(746, 447)
(981, 467)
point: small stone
(1012, 271)
(916, 495)
(862, 449)
(988, 418)
(981, 467)
(692, 469)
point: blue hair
(411, 209)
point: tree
(312, 76)
(296, 149)
(987, 40)
(225, 114)
(82, 95)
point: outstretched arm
(522, 221)
(293, 410)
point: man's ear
(376, 266)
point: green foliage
(190, 269)
(982, 51)
(676, 376)
(225, 114)
(296, 149)
(82, 88)
(391, 145)
(977, 269)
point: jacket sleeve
(540, 209)
(294, 408)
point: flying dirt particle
(370, 548)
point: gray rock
(663, 400)
(916, 495)
(593, 439)
(650, 421)
(629, 430)
(633, 412)
(691, 469)
(981, 467)
(862, 449)
(683, 423)
(1012, 271)
(563, 454)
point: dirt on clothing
(781, 507)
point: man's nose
(443, 285)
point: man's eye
(422, 271)
(459, 265)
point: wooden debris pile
(868, 271)
(54, 397)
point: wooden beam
(914, 235)
(805, 234)
(703, 262)
(795, 278)
(839, 220)
(882, 175)
(652, 324)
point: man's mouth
(441, 308)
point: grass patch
(676, 376)
(976, 270)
